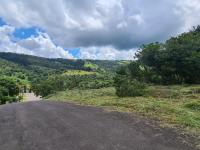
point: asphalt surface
(45, 125)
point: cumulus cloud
(121, 24)
(41, 45)
(189, 12)
(106, 53)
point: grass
(78, 72)
(91, 65)
(170, 105)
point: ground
(31, 97)
(50, 125)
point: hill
(38, 68)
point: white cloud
(121, 24)
(124, 24)
(189, 10)
(39, 46)
(108, 53)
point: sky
(92, 29)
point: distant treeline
(177, 61)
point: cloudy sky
(94, 29)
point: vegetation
(36, 69)
(9, 89)
(170, 105)
(46, 76)
(129, 80)
(78, 72)
(71, 80)
(177, 61)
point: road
(45, 125)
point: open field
(78, 72)
(174, 106)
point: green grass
(170, 105)
(91, 65)
(78, 72)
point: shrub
(5, 99)
(130, 88)
(20, 97)
(195, 106)
(129, 80)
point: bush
(9, 99)
(65, 81)
(20, 97)
(10, 85)
(129, 80)
(2, 100)
(130, 88)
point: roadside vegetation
(73, 79)
(170, 105)
(10, 89)
(175, 62)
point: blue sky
(27, 33)
(75, 52)
(2, 22)
(23, 33)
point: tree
(9, 89)
(129, 80)
(176, 61)
(10, 84)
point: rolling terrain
(38, 68)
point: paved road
(44, 125)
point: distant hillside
(35, 68)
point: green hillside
(45, 76)
(37, 68)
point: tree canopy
(177, 61)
